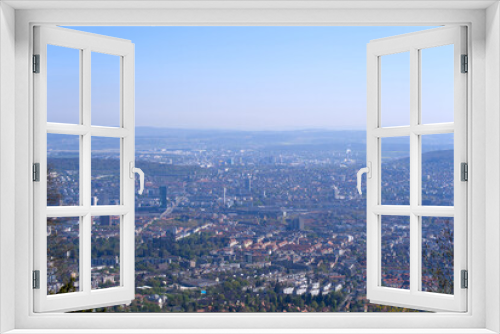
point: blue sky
(250, 78)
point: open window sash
(415, 297)
(86, 294)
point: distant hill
(440, 156)
(150, 138)
(212, 139)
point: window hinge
(36, 63)
(36, 172)
(465, 64)
(36, 279)
(464, 167)
(465, 279)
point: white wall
(492, 166)
(7, 161)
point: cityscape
(248, 221)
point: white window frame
(86, 44)
(483, 208)
(414, 43)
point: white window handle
(139, 171)
(368, 171)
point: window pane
(395, 171)
(396, 251)
(105, 89)
(105, 171)
(437, 169)
(437, 84)
(63, 170)
(105, 251)
(395, 89)
(63, 85)
(437, 254)
(63, 255)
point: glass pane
(395, 89)
(105, 89)
(437, 254)
(395, 171)
(396, 251)
(105, 171)
(437, 169)
(63, 85)
(63, 170)
(63, 253)
(437, 84)
(105, 251)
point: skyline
(245, 78)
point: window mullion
(415, 240)
(85, 150)
(85, 179)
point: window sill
(251, 331)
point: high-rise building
(296, 224)
(248, 183)
(163, 197)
